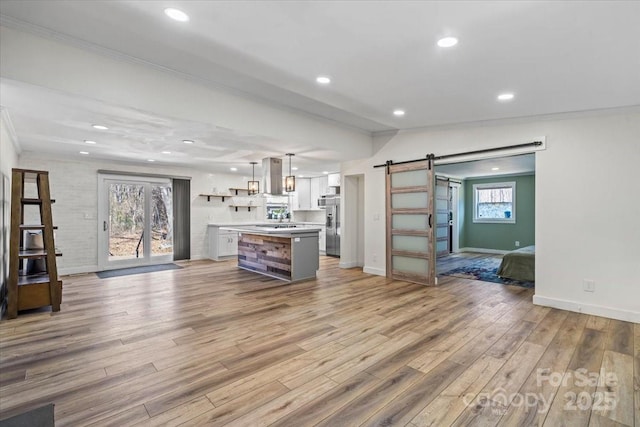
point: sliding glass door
(135, 221)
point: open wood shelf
(34, 279)
(34, 253)
(35, 227)
(221, 196)
(243, 206)
(34, 201)
(236, 190)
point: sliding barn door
(442, 208)
(410, 220)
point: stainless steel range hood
(272, 175)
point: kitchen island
(279, 250)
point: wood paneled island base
(287, 256)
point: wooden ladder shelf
(27, 291)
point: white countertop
(284, 231)
(244, 224)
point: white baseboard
(376, 271)
(596, 310)
(484, 251)
(78, 270)
(349, 264)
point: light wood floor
(214, 345)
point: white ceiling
(520, 164)
(556, 57)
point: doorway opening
(492, 214)
(353, 238)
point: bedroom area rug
(484, 269)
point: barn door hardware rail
(466, 153)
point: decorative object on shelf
(290, 180)
(253, 186)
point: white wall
(74, 186)
(587, 209)
(8, 160)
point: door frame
(104, 179)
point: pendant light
(290, 181)
(253, 186)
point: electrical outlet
(589, 285)
(374, 257)
(517, 243)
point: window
(494, 202)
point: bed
(519, 265)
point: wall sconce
(253, 186)
(290, 180)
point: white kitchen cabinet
(322, 239)
(315, 192)
(323, 185)
(222, 243)
(334, 180)
(303, 191)
(227, 244)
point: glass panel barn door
(409, 209)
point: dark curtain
(181, 219)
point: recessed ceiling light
(99, 127)
(88, 141)
(233, 169)
(187, 141)
(295, 168)
(323, 80)
(447, 42)
(150, 160)
(398, 113)
(166, 152)
(325, 172)
(176, 14)
(495, 169)
(505, 97)
(301, 176)
(84, 152)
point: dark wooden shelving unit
(27, 291)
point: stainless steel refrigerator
(332, 206)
